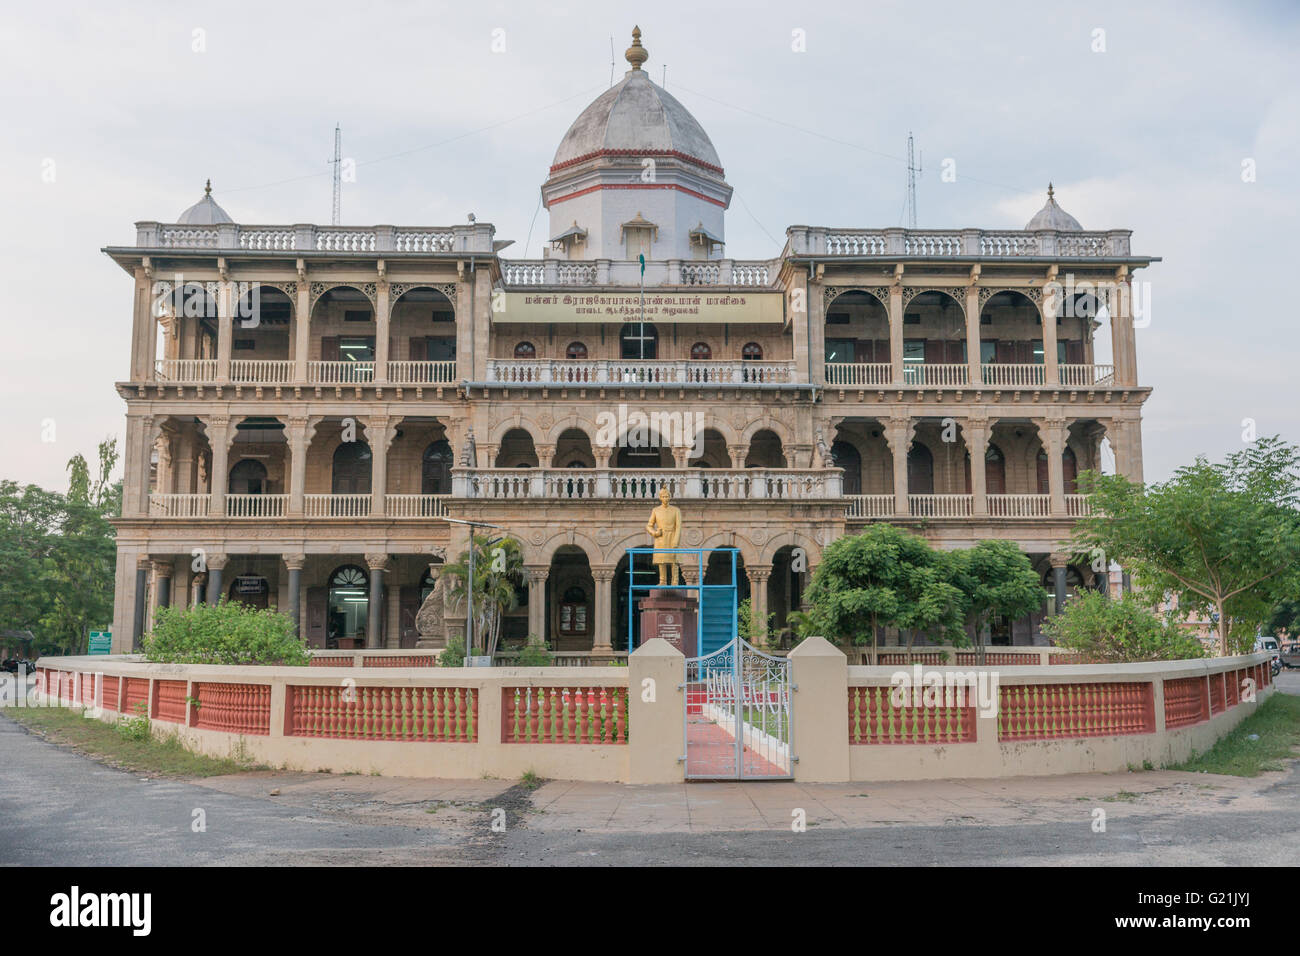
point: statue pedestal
(671, 615)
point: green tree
(1220, 536)
(996, 580)
(882, 577)
(1109, 631)
(1284, 618)
(749, 627)
(498, 570)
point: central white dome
(636, 116)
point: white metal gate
(738, 715)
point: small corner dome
(1052, 216)
(205, 212)
(636, 115)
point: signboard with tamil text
(749, 308)
(101, 642)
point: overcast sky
(114, 115)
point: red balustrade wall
(169, 702)
(1054, 711)
(136, 692)
(874, 719)
(233, 708)
(330, 662)
(447, 714)
(412, 660)
(1218, 695)
(564, 715)
(1185, 702)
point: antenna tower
(338, 164)
(912, 170)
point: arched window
(752, 352)
(640, 341)
(846, 456)
(573, 612)
(435, 469)
(1070, 470)
(920, 470)
(349, 605)
(248, 477)
(576, 351)
(525, 350)
(351, 473)
(700, 352)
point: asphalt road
(60, 808)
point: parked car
(1289, 654)
(1266, 643)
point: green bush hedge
(224, 633)
(1103, 630)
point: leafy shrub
(534, 655)
(453, 655)
(225, 633)
(135, 728)
(1102, 630)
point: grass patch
(103, 742)
(530, 780)
(1277, 724)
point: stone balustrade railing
(633, 484)
(517, 273)
(282, 372)
(951, 375)
(309, 238)
(602, 371)
(952, 243)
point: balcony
(543, 273)
(992, 375)
(314, 506)
(1001, 507)
(630, 484)
(609, 372)
(958, 243)
(232, 237)
(281, 372)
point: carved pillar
(301, 432)
(898, 433)
(380, 431)
(295, 562)
(216, 564)
(896, 332)
(602, 640)
(162, 573)
(537, 575)
(976, 432)
(382, 324)
(973, 337)
(545, 455)
(1050, 307)
(1059, 564)
(220, 432)
(225, 331)
(302, 328)
(141, 597)
(1052, 433)
(758, 577)
(135, 481)
(142, 360)
(162, 444)
(738, 455)
(375, 607)
(1123, 337)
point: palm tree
(498, 569)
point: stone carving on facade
(369, 289)
(956, 293)
(431, 619)
(831, 292)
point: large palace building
(307, 405)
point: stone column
(896, 332)
(216, 564)
(758, 576)
(135, 481)
(380, 431)
(295, 562)
(141, 596)
(162, 443)
(898, 433)
(1122, 335)
(976, 433)
(301, 432)
(221, 430)
(198, 588)
(738, 455)
(375, 607)
(545, 456)
(382, 325)
(1059, 564)
(225, 332)
(1052, 433)
(302, 328)
(1051, 370)
(162, 571)
(537, 575)
(142, 360)
(973, 364)
(602, 638)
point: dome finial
(1051, 194)
(636, 54)
(207, 189)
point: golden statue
(665, 528)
